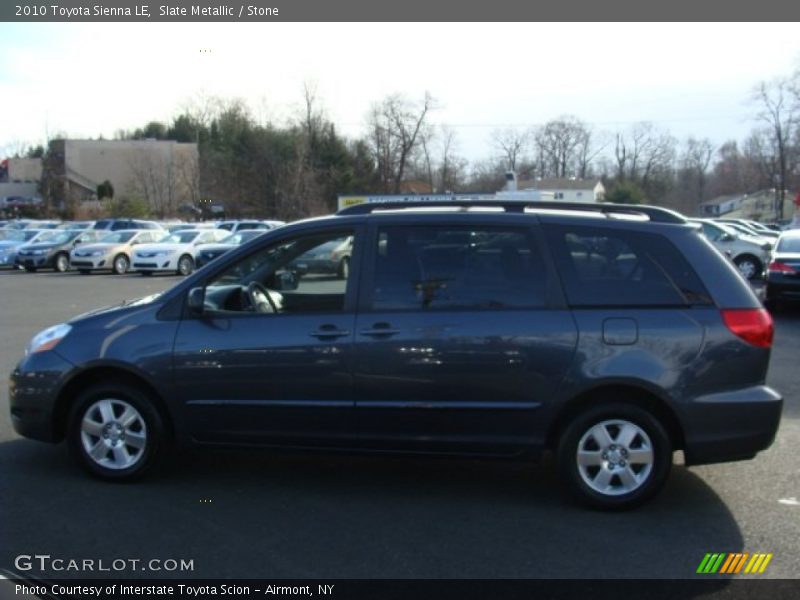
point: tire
(343, 272)
(749, 266)
(185, 265)
(123, 427)
(61, 262)
(120, 265)
(626, 456)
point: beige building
(165, 174)
(24, 170)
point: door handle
(330, 332)
(380, 329)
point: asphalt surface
(246, 514)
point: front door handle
(380, 329)
(329, 332)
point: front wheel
(121, 264)
(185, 265)
(61, 263)
(614, 457)
(343, 272)
(115, 432)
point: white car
(175, 252)
(112, 251)
(751, 254)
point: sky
(90, 79)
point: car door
(462, 340)
(282, 376)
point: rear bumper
(729, 426)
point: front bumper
(35, 262)
(155, 263)
(729, 426)
(90, 262)
(33, 389)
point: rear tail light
(779, 267)
(753, 325)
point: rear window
(789, 244)
(608, 267)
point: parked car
(234, 226)
(112, 251)
(119, 224)
(750, 254)
(783, 273)
(609, 341)
(51, 250)
(331, 258)
(77, 225)
(208, 252)
(176, 252)
(13, 239)
(751, 228)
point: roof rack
(655, 214)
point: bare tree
(779, 113)
(558, 141)
(395, 125)
(451, 166)
(512, 144)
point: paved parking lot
(244, 513)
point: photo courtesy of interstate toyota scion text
(608, 335)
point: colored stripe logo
(732, 563)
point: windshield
(56, 237)
(789, 244)
(120, 237)
(181, 237)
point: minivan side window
(451, 267)
(610, 267)
(304, 274)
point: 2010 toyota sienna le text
(611, 335)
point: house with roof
(758, 206)
(566, 189)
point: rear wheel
(614, 457)
(749, 266)
(115, 431)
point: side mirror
(195, 301)
(284, 281)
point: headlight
(48, 339)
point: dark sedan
(783, 273)
(51, 250)
(208, 252)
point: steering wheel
(259, 297)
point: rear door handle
(380, 329)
